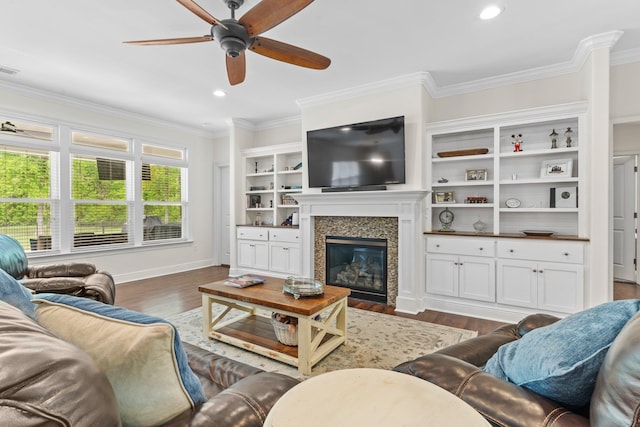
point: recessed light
(490, 12)
(219, 93)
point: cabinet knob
(566, 254)
(275, 235)
(460, 264)
(481, 249)
(286, 249)
(541, 271)
(535, 271)
(437, 246)
(455, 263)
(511, 250)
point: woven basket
(284, 335)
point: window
(99, 199)
(118, 192)
(162, 195)
(26, 205)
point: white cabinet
(471, 277)
(528, 275)
(253, 254)
(284, 251)
(269, 250)
(477, 186)
(504, 274)
(253, 247)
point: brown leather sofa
(80, 279)
(615, 401)
(46, 381)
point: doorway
(624, 218)
(222, 216)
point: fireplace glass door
(359, 264)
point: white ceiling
(74, 48)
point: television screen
(357, 155)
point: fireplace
(359, 264)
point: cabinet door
(477, 278)
(560, 287)
(294, 260)
(246, 253)
(517, 283)
(279, 258)
(442, 274)
(261, 255)
(253, 254)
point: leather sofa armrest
(67, 269)
(245, 404)
(500, 402)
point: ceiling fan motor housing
(234, 39)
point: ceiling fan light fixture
(490, 12)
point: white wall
(135, 263)
(625, 90)
(626, 138)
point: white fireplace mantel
(405, 205)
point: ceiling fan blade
(171, 41)
(269, 13)
(287, 53)
(236, 68)
(200, 12)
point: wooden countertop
(507, 235)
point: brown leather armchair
(457, 369)
(73, 278)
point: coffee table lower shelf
(254, 332)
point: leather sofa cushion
(13, 260)
(561, 361)
(616, 398)
(46, 381)
(141, 355)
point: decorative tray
(537, 232)
(467, 152)
(302, 287)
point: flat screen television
(366, 155)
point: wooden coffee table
(246, 328)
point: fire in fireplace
(359, 264)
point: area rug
(374, 340)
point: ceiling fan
(237, 35)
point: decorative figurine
(517, 142)
(442, 180)
(568, 135)
(554, 135)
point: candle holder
(554, 138)
(568, 133)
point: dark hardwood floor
(174, 293)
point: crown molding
(625, 57)
(44, 95)
(366, 89)
(584, 49)
(278, 123)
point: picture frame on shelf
(563, 197)
(475, 175)
(557, 168)
(443, 197)
(255, 201)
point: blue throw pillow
(141, 355)
(13, 260)
(12, 292)
(561, 361)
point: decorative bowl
(302, 287)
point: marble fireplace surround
(406, 206)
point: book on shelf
(243, 280)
